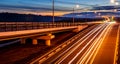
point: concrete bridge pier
(23, 40)
(47, 39)
(34, 41)
(48, 42)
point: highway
(95, 45)
(106, 53)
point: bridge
(59, 32)
(97, 43)
(36, 30)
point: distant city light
(112, 22)
(95, 12)
(99, 14)
(112, 1)
(115, 10)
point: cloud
(105, 7)
(34, 9)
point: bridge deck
(28, 33)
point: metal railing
(17, 26)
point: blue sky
(45, 6)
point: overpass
(36, 30)
(96, 44)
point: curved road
(95, 45)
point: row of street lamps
(77, 6)
(114, 2)
(53, 11)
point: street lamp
(77, 6)
(115, 10)
(112, 1)
(53, 11)
(116, 3)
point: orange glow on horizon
(56, 13)
(44, 13)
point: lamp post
(95, 12)
(73, 16)
(53, 20)
(112, 1)
(86, 16)
(77, 6)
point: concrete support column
(23, 40)
(46, 37)
(49, 34)
(34, 41)
(48, 42)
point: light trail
(87, 36)
(72, 45)
(96, 29)
(97, 43)
(84, 49)
(104, 33)
(83, 38)
(85, 46)
(40, 60)
(76, 36)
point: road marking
(58, 49)
(43, 59)
(51, 54)
(116, 47)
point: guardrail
(17, 26)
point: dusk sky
(44, 7)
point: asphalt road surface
(96, 45)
